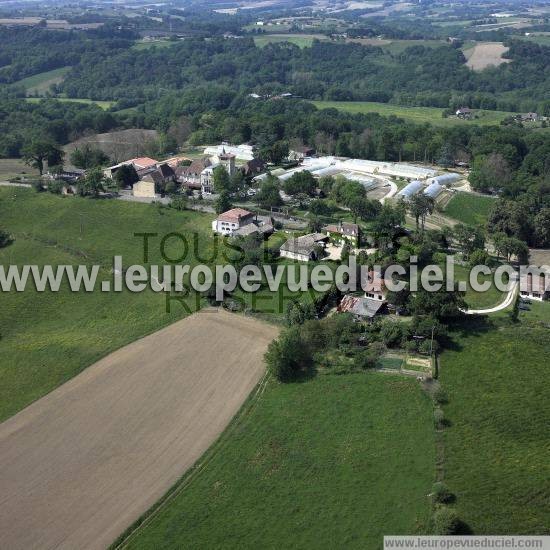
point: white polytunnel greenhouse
(366, 182)
(433, 190)
(411, 189)
(446, 179)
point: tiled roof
(373, 283)
(344, 228)
(234, 215)
(143, 162)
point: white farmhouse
(232, 220)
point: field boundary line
(202, 463)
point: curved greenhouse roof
(446, 179)
(411, 189)
(433, 190)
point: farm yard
(125, 430)
(336, 460)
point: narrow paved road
(503, 305)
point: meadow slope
(336, 461)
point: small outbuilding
(306, 248)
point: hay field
(486, 54)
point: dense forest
(30, 51)
(105, 67)
(334, 71)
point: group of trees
(39, 151)
(22, 122)
(420, 205)
(522, 219)
(86, 157)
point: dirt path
(81, 464)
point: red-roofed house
(230, 221)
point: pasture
(46, 337)
(469, 208)
(420, 115)
(399, 46)
(125, 430)
(147, 44)
(496, 445)
(300, 40)
(336, 461)
(41, 82)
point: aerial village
(285, 220)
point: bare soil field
(485, 54)
(120, 145)
(80, 465)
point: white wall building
(232, 220)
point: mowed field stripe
(81, 464)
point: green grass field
(420, 115)
(399, 46)
(46, 338)
(41, 82)
(474, 299)
(469, 208)
(497, 446)
(146, 44)
(302, 41)
(333, 462)
(103, 104)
